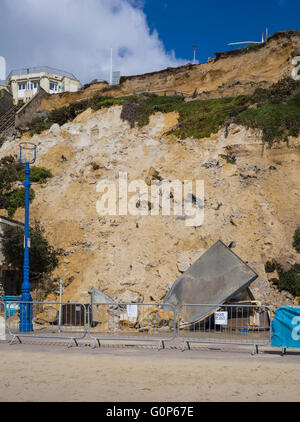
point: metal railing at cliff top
(40, 69)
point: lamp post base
(26, 313)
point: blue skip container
(13, 309)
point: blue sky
(211, 25)
(145, 35)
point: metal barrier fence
(49, 320)
(225, 324)
(128, 321)
(2, 309)
(194, 323)
(2, 322)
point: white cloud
(76, 35)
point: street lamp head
(27, 152)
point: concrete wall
(70, 85)
(6, 101)
(25, 114)
(14, 91)
(45, 83)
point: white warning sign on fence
(132, 311)
(2, 329)
(221, 318)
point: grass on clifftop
(276, 111)
(277, 121)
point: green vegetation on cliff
(43, 257)
(296, 242)
(65, 114)
(288, 280)
(11, 172)
(275, 111)
(277, 121)
(16, 199)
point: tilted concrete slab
(217, 276)
(97, 296)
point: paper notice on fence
(132, 311)
(221, 318)
(2, 329)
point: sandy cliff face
(229, 75)
(269, 63)
(254, 202)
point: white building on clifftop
(23, 83)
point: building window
(35, 84)
(22, 86)
(53, 86)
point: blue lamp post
(26, 306)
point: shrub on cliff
(9, 168)
(37, 175)
(43, 257)
(106, 102)
(270, 266)
(294, 98)
(12, 171)
(16, 199)
(288, 280)
(276, 121)
(8, 175)
(68, 113)
(296, 242)
(279, 93)
(138, 109)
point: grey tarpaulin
(217, 276)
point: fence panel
(226, 324)
(132, 321)
(2, 309)
(2, 321)
(49, 320)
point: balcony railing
(40, 69)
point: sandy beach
(127, 373)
